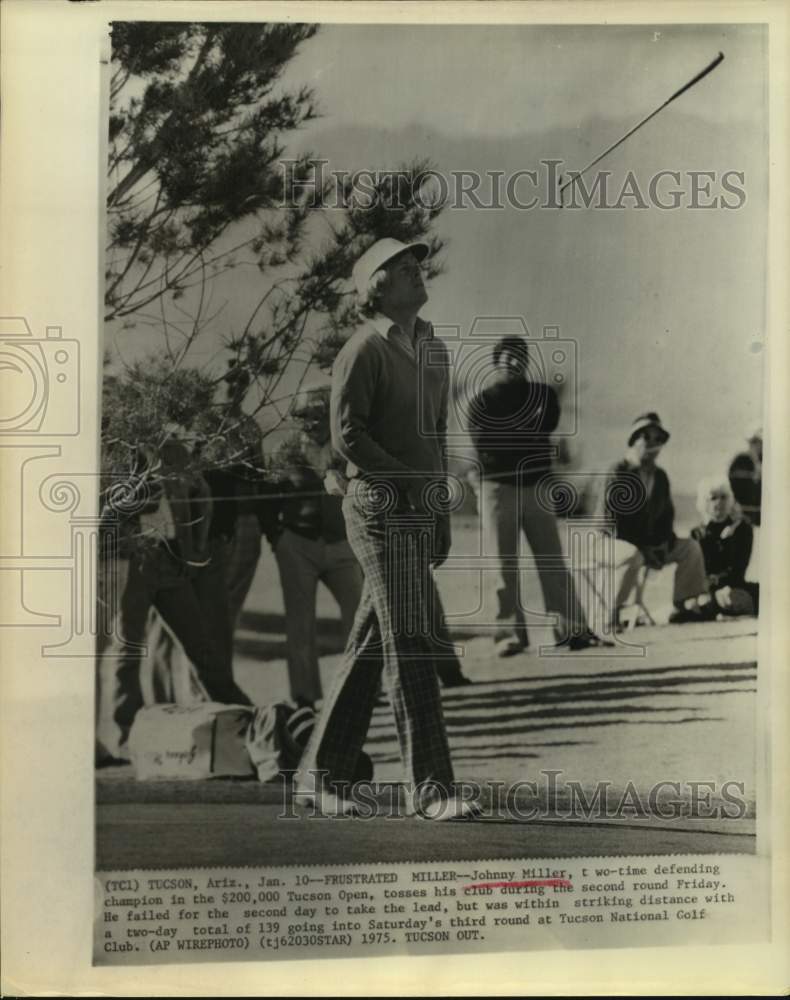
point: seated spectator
(726, 544)
(745, 475)
(637, 498)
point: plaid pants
(391, 634)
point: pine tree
(199, 183)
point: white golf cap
(376, 257)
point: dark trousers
(156, 579)
(175, 677)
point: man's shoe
(455, 680)
(328, 804)
(587, 640)
(681, 616)
(452, 810)
(508, 647)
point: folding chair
(637, 611)
(633, 613)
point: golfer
(388, 420)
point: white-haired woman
(726, 542)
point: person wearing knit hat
(638, 500)
(510, 420)
(746, 477)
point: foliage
(199, 184)
(195, 139)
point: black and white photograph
(424, 587)
(431, 457)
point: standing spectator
(746, 476)
(644, 523)
(389, 421)
(244, 484)
(308, 536)
(726, 548)
(174, 676)
(510, 422)
(171, 544)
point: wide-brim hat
(376, 256)
(643, 422)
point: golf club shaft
(686, 86)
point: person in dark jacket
(243, 482)
(510, 422)
(638, 500)
(307, 533)
(166, 547)
(746, 475)
(726, 543)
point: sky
(663, 310)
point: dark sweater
(645, 522)
(726, 559)
(510, 423)
(745, 488)
(301, 503)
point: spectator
(637, 498)
(174, 677)
(745, 475)
(308, 536)
(168, 542)
(510, 422)
(726, 544)
(243, 481)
